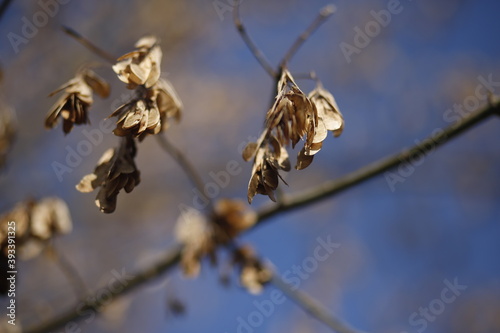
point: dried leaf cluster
(155, 102)
(36, 222)
(253, 273)
(156, 99)
(77, 98)
(293, 117)
(7, 134)
(202, 235)
(116, 170)
(148, 113)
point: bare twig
(311, 306)
(69, 271)
(323, 15)
(93, 304)
(3, 7)
(185, 164)
(89, 45)
(249, 42)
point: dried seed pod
(149, 112)
(141, 66)
(116, 170)
(35, 223)
(293, 116)
(73, 105)
(233, 217)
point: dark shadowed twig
(69, 271)
(293, 202)
(94, 304)
(311, 306)
(89, 45)
(249, 42)
(323, 15)
(3, 7)
(185, 165)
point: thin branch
(69, 271)
(323, 15)
(311, 306)
(293, 202)
(3, 7)
(249, 42)
(94, 304)
(354, 178)
(185, 165)
(89, 45)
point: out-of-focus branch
(185, 165)
(258, 54)
(3, 7)
(89, 45)
(365, 173)
(311, 306)
(93, 304)
(323, 15)
(69, 271)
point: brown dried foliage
(35, 223)
(293, 116)
(149, 112)
(116, 170)
(73, 105)
(141, 66)
(7, 134)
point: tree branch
(354, 178)
(323, 15)
(3, 7)
(89, 45)
(69, 270)
(293, 202)
(249, 42)
(311, 306)
(185, 165)
(94, 303)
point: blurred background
(397, 247)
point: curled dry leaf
(196, 234)
(268, 160)
(149, 112)
(73, 105)
(233, 217)
(116, 170)
(35, 223)
(328, 111)
(253, 273)
(141, 66)
(7, 134)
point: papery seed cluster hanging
(293, 117)
(154, 102)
